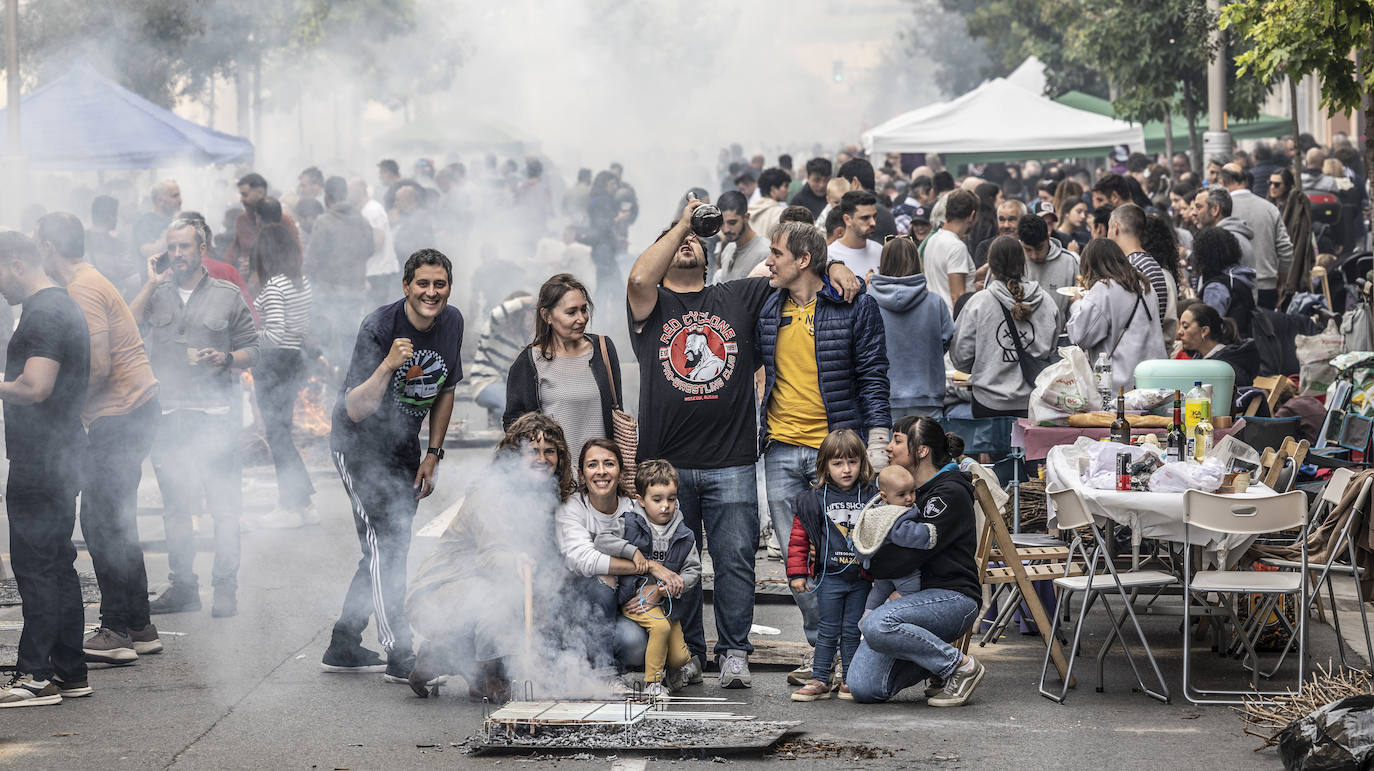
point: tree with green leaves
(1333, 39)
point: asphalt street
(247, 692)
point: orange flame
(312, 408)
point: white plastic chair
(1343, 546)
(1245, 516)
(1072, 514)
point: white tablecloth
(1149, 515)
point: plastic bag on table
(1231, 449)
(1176, 477)
(1146, 399)
(1101, 466)
(1064, 388)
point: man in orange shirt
(121, 416)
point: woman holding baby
(931, 545)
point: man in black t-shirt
(47, 367)
(405, 365)
(697, 411)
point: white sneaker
(774, 551)
(656, 691)
(281, 519)
(734, 670)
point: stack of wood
(1034, 512)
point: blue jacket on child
(679, 554)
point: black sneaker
(398, 668)
(179, 598)
(354, 659)
(226, 604)
(71, 689)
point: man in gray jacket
(195, 345)
(1212, 208)
(1271, 249)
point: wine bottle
(1176, 441)
(1121, 429)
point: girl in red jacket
(821, 550)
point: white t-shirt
(861, 261)
(383, 261)
(946, 254)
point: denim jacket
(216, 317)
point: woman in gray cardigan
(1117, 314)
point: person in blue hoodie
(656, 528)
(912, 316)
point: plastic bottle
(1103, 370)
(1196, 406)
(1202, 439)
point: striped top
(568, 393)
(285, 313)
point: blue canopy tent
(86, 121)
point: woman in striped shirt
(284, 307)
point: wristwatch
(437, 452)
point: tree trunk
(1190, 114)
(1169, 137)
(1368, 123)
(1297, 147)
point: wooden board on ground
(770, 577)
(773, 653)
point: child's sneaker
(814, 690)
(843, 693)
(656, 691)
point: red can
(1123, 471)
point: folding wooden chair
(996, 546)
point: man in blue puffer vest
(826, 368)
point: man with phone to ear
(198, 330)
(406, 362)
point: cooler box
(1183, 373)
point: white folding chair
(1342, 546)
(1072, 514)
(1245, 516)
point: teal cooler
(1181, 374)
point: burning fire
(312, 408)
(311, 416)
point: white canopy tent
(1001, 121)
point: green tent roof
(1263, 127)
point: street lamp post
(1216, 141)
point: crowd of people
(809, 337)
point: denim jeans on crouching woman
(907, 640)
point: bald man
(150, 230)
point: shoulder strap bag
(623, 425)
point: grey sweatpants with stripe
(383, 502)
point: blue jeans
(790, 471)
(907, 640)
(725, 502)
(840, 601)
(589, 619)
